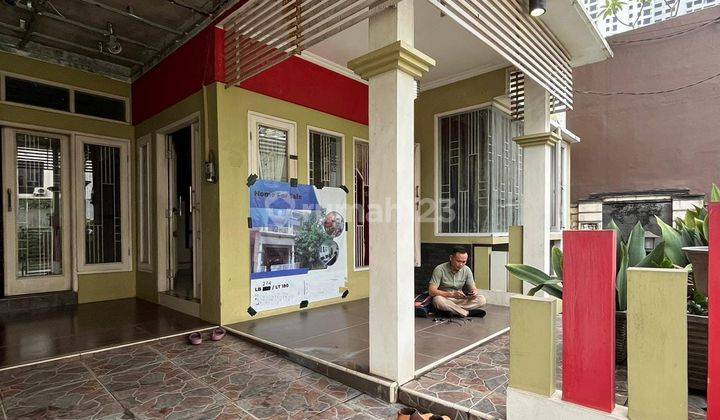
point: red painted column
(589, 318)
(713, 389)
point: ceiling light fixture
(538, 7)
(112, 44)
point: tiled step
(37, 301)
(430, 404)
(367, 384)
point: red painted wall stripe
(175, 78)
(304, 83)
(200, 62)
(589, 318)
(713, 389)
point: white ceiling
(458, 53)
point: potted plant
(630, 254)
(694, 232)
(697, 333)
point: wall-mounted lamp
(211, 168)
(538, 7)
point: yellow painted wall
(147, 283)
(91, 287)
(66, 75)
(233, 107)
(463, 94)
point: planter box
(620, 337)
(697, 352)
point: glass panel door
(36, 210)
(103, 199)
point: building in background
(648, 120)
(636, 15)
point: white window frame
(355, 266)
(341, 153)
(79, 199)
(436, 173)
(561, 185)
(72, 90)
(145, 207)
(256, 119)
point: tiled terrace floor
(339, 333)
(30, 335)
(169, 378)
(478, 380)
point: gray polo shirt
(447, 281)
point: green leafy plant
(630, 254)
(538, 279)
(697, 304)
(694, 229)
(690, 231)
(612, 8)
(308, 240)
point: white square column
(392, 67)
(537, 144)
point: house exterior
(188, 187)
(618, 161)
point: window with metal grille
(103, 222)
(325, 159)
(362, 198)
(480, 172)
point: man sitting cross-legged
(447, 283)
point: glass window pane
(36, 94)
(273, 153)
(362, 194)
(144, 207)
(324, 159)
(464, 172)
(480, 172)
(39, 213)
(99, 106)
(506, 179)
(103, 233)
(555, 179)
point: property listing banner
(298, 244)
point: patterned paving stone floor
(478, 380)
(229, 379)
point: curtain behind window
(480, 172)
(273, 153)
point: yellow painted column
(532, 344)
(515, 256)
(481, 269)
(657, 344)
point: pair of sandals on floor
(217, 334)
(412, 414)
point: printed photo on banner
(298, 244)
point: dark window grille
(103, 224)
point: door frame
(126, 214)
(161, 199)
(9, 181)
